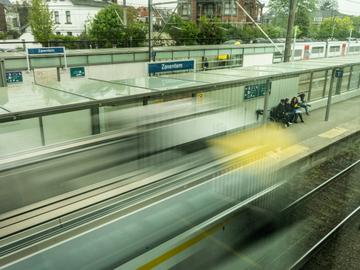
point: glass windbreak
(328, 83)
(304, 82)
(199, 77)
(94, 89)
(17, 99)
(345, 79)
(66, 126)
(159, 83)
(355, 77)
(239, 73)
(318, 83)
(19, 136)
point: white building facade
(72, 17)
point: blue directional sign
(54, 50)
(161, 67)
(14, 77)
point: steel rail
(323, 185)
(201, 174)
(307, 256)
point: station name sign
(160, 67)
(53, 50)
(32, 52)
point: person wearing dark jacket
(289, 111)
(280, 113)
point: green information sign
(77, 72)
(255, 90)
(14, 77)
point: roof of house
(5, 2)
(90, 3)
(328, 13)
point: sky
(351, 7)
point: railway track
(321, 213)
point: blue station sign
(161, 67)
(53, 50)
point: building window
(230, 8)
(69, 33)
(186, 10)
(68, 17)
(15, 22)
(56, 17)
(209, 10)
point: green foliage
(107, 26)
(3, 35)
(14, 34)
(328, 5)
(131, 14)
(182, 32)
(280, 12)
(341, 27)
(136, 34)
(281, 7)
(108, 29)
(69, 42)
(250, 32)
(210, 31)
(41, 22)
(302, 20)
(356, 23)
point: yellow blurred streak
(268, 138)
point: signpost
(77, 72)
(43, 51)
(14, 77)
(171, 66)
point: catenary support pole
(266, 100)
(150, 29)
(291, 21)
(327, 114)
(258, 26)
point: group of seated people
(289, 112)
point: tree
(280, 11)
(41, 21)
(328, 5)
(356, 23)
(342, 28)
(136, 34)
(302, 20)
(281, 7)
(107, 27)
(210, 31)
(183, 32)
